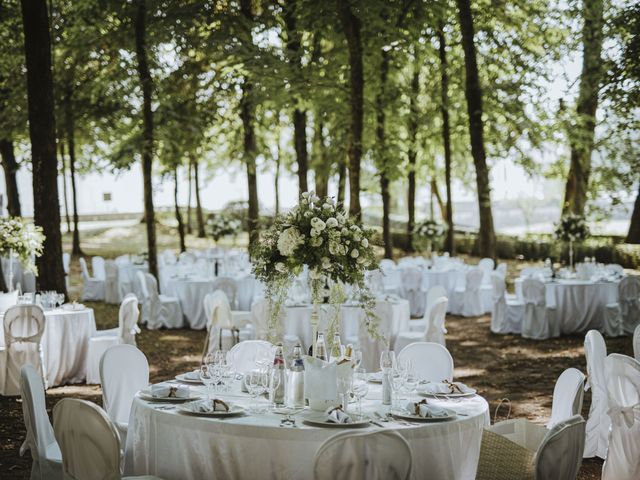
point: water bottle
(321, 349)
(278, 378)
(295, 383)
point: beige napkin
(208, 406)
(445, 388)
(168, 390)
(337, 415)
(425, 410)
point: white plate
(324, 423)
(73, 307)
(424, 393)
(418, 418)
(375, 377)
(189, 408)
(146, 395)
(183, 378)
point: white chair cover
(8, 300)
(433, 294)
(507, 314)
(623, 385)
(431, 361)
(124, 370)
(560, 454)
(23, 329)
(381, 455)
(433, 330)
(245, 294)
(111, 291)
(163, 311)
(468, 301)
(98, 267)
(636, 343)
(220, 321)
(567, 396)
(47, 459)
(629, 292)
(186, 258)
(391, 276)
(412, 289)
(486, 265)
(92, 288)
(244, 355)
(66, 262)
(539, 319)
(501, 269)
(597, 429)
(230, 288)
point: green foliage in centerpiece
(22, 239)
(572, 228)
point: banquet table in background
(64, 345)
(580, 304)
(170, 445)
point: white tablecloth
(182, 447)
(64, 345)
(579, 304)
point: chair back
(218, 310)
(501, 269)
(486, 265)
(433, 294)
(111, 270)
(244, 355)
(629, 293)
(128, 319)
(124, 370)
(498, 287)
(89, 442)
(567, 396)
(527, 272)
(411, 278)
(381, 455)
(142, 280)
(229, 286)
(387, 264)
(473, 279)
(34, 410)
(97, 265)
(435, 329)
(66, 262)
(84, 269)
(559, 455)
(375, 280)
(533, 292)
(186, 258)
(372, 348)
(431, 361)
(260, 312)
(123, 260)
(595, 352)
(152, 287)
(636, 343)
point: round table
(171, 445)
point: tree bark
(351, 28)
(46, 206)
(147, 132)
(63, 162)
(435, 191)
(249, 142)
(189, 225)
(342, 180)
(10, 167)
(70, 134)
(582, 134)
(473, 94)
(183, 247)
(382, 151)
(412, 155)
(276, 178)
(633, 236)
(322, 166)
(199, 215)
(449, 241)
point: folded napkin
(424, 410)
(167, 390)
(337, 415)
(445, 388)
(193, 375)
(208, 406)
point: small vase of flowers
(571, 228)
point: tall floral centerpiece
(221, 225)
(21, 239)
(571, 228)
(337, 251)
(427, 232)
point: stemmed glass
(357, 358)
(360, 387)
(207, 376)
(271, 383)
(253, 382)
(398, 377)
(411, 383)
(344, 387)
(387, 360)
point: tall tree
(473, 94)
(412, 153)
(383, 164)
(63, 163)
(633, 236)
(183, 247)
(583, 132)
(351, 27)
(190, 177)
(144, 75)
(69, 128)
(199, 214)
(46, 207)
(10, 167)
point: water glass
(360, 386)
(387, 360)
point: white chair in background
(568, 393)
(466, 301)
(507, 313)
(23, 329)
(381, 455)
(260, 315)
(486, 293)
(486, 265)
(434, 330)
(539, 322)
(111, 290)
(244, 356)
(623, 387)
(225, 327)
(230, 288)
(186, 258)
(412, 289)
(66, 265)
(431, 361)
(98, 268)
(124, 333)
(622, 317)
(124, 370)
(391, 276)
(88, 440)
(501, 269)
(636, 343)
(161, 310)
(598, 423)
(169, 257)
(40, 441)
(375, 281)
(245, 292)
(92, 287)
(433, 294)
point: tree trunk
(3, 284)
(582, 133)
(147, 133)
(342, 180)
(70, 133)
(473, 94)
(351, 28)
(63, 162)
(249, 142)
(412, 155)
(435, 191)
(634, 227)
(449, 241)
(183, 247)
(276, 178)
(196, 187)
(322, 165)
(382, 152)
(46, 206)
(189, 225)
(10, 167)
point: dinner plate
(183, 378)
(73, 307)
(325, 424)
(146, 395)
(470, 393)
(417, 418)
(190, 409)
(375, 377)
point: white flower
(288, 241)
(341, 218)
(364, 243)
(280, 267)
(318, 224)
(332, 222)
(314, 198)
(344, 231)
(362, 260)
(355, 253)
(314, 274)
(326, 263)
(355, 228)
(308, 214)
(305, 195)
(357, 237)
(314, 233)
(316, 241)
(327, 206)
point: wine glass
(360, 387)
(387, 360)
(273, 382)
(357, 358)
(344, 387)
(411, 383)
(207, 377)
(397, 381)
(251, 380)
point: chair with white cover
(433, 294)
(92, 287)
(223, 330)
(539, 322)
(431, 361)
(507, 313)
(23, 329)
(243, 356)
(568, 393)
(111, 290)
(162, 310)
(381, 455)
(434, 330)
(186, 258)
(230, 288)
(98, 267)
(47, 459)
(636, 343)
(66, 266)
(623, 386)
(598, 423)
(621, 318)
(89, 442)
(124, 333)
(501, 269)
(466, 300)
(124, 370)
(486, 265)
(245, 292)
(412, 289)
(392, 279)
